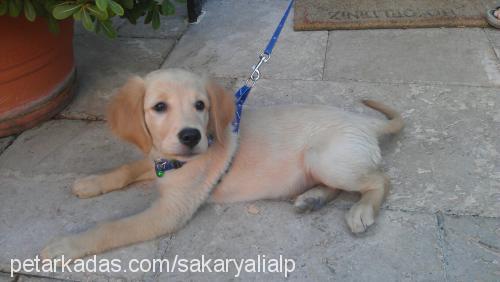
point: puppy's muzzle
(189, 137)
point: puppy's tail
(395, 122)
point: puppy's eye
(199, 105)
(160, 107)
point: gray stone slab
(489, 4)
(39, 208)
(5, 142)
(36, 203)
(6, 277)
(453, 56)
(494, 36)
(447, 157)
(227, 83)
(231, 35)
(26, 278)
(171, 26)
(67, 147)
(319, 243)
(80, 30)
(472, 248)
(103, 65)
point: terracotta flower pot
(37, 72)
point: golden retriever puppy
(284, 151)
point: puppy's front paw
(87, 187)
(360, 217)
(69, 246)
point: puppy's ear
(126, 114)
(221, 111)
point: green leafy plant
(95, 15)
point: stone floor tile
(451, 55)
(37, 209)
(231, 35)
(320, 244)
(446, 158)
(67, 147)
(6, 142)
(103, 65)
(4, 277)
(472, 246)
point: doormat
(368, 14)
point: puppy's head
(170, 113)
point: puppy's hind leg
(118, 178)
(373, 187)
(315, 198)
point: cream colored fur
(302, 150)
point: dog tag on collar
(162, 165)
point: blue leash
(242, 93)
(240, 96)
(276, 34)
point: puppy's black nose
(189, 137)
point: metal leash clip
(255, 75)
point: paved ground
(439, 223)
